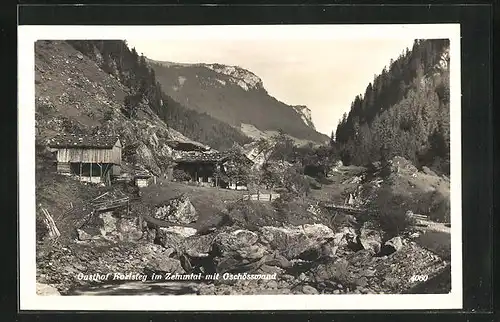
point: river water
(139, 288)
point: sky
(323, 74)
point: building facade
(92, 158)
(216, 169)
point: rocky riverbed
(303, 259)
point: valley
(147, 168)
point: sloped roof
(193, 156)
(186, 145)
(83, 141)
(209, 157)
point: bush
(296, 183)
(315, 171)
(390, 212)
(252, 214)
(181, 175)
(440, 210)
(313, 183)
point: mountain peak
(240, 76)
(234, 95)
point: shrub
(252, 214)
(315, 171)
(181, 175)
(390, 212)
(296, 183)
(313, 183)
(440, 210)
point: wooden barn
(92, 158)
(210, 169)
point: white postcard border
(27, 35)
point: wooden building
(143, 179)
(211, 169)
(93, 158)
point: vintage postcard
(290, 167)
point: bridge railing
(261, 196)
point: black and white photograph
(284, 167)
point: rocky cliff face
(305, 114)
(235, 96)
(239, 76)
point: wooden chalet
(210, 168)
(93, 158)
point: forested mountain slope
(235, 96)
(405, 111)
(133, 71)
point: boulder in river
(180, 230)
(307, 289)
(392, 245)
(370, 239)
(169, 239)
(107, 225)
(163, 264)
(238, 250)
(332, 270)
(292, 241)
(198, 244)
(229, 241)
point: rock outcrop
(305, 114)
(109, 226)
(232, 95)
(295, 240)
(393, 245)
(370, 239)
(178, 210)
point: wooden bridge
(110, 204)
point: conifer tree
(405, 109)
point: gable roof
(210, 157)
(194, 157)
(185, 145)
(83, 141)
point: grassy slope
(424, 194)
(208, 202)
(78, 89)
(437, 242)
(66, 199)
(340, 185)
